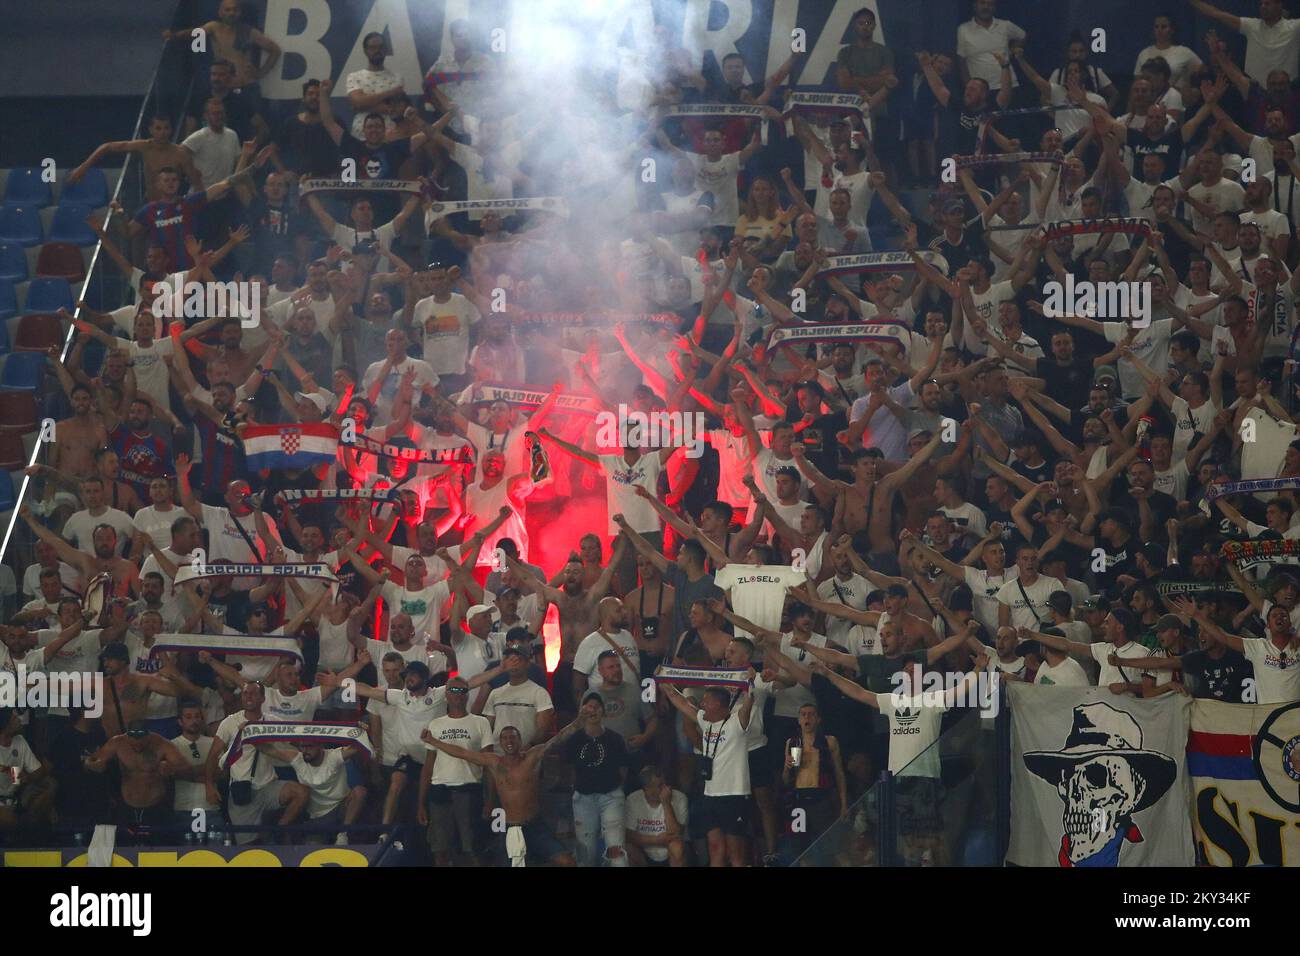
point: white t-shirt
(80, 529)
(445, 328)
(158, 524)
(860, 193)
(758, 591)
(1277, 673)
(471, 732)
(1022, 613)
(517, 705)
(1270, 48)
(424, 375)
(424, 606)
(620, 496)
(1181, 61)
(642, 818)
(720, 179)
(473, 655)
(790, 699)
(215, 154)
(976, 44)
(291, 708)
(1151, 345)
(1111, 673)
(192, 794)
(985, 589)
(17, 754)
(150, 370)
(390, 745)
(327, 782)
(725, 742)
(851, 593)
(369, 81)
(1188, 421)
(913, 728)
(384, 236)
(243, 768)
(411, 714)
(225, 541)
(1068, 673)
(885, 430)
(593, 645)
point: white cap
(316, 398)
(484, 609)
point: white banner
(1098, 779)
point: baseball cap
(1095, 602)
(491, 609)
(916, 432)
(962, 598)
(115, 651)
(1105, 372)
(1169, 622)
(316, 398)
(954, 205)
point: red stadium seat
(13, 454)
(37, 333)
(18, 410)
(61, 260)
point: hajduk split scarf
(702, 676)
(524, 396)
(507, 207)
(1131, 225)
(716, 109)
(313, 571)
(880, 262)
(1250, 486)
(884, 333)
(463, 455)
(834, 104)
(667, 320)
(1248, 554)
(360, 186)
(301, 732)
(250, 645)
(988, 159)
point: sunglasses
(458, 690)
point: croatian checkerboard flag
(288, 445)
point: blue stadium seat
(69, 225)
(24, 187)
(91, 190)
(13, 262)
(23, 370)
(48, 295)
(8, 301)
(21, 225)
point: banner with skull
(1098, 779)
(1244, 764)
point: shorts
(266, 799)
(729, 814)
(452, 813)
(539, 837)
(760, 768)
(408, 765)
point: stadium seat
(8, 497)
(18, 410)
(91, 191)
(48, 295)
(13, 262)
(37, 333)
(61, 260)
(21, 225)
(24, 187)
(69, 225)
(13, 454)
(8, 299)
(23, 370)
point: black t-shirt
(959, 128)
(1067, 384)
(819, 441)
(1037, 473)
(969, 245)
(596, 761)
(1220, 679)
(1168, 147)
(306, 148)
(1163, 507)
(383, 162)
(274, 229)
(1119, 560)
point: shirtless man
(516, 773)
(577, 608)
(157, 152)
(127, 693)
(234, 41)
(126, 577)
(77, 436)
(867, 503)
(145, 760)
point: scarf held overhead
(885, 333)
(464, 455)
(195, 571)
(880, 262)
(251, 645)
(313, 732)
(702, 676)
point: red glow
(551, 638)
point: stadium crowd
(946, 473)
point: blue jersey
(168, 223)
